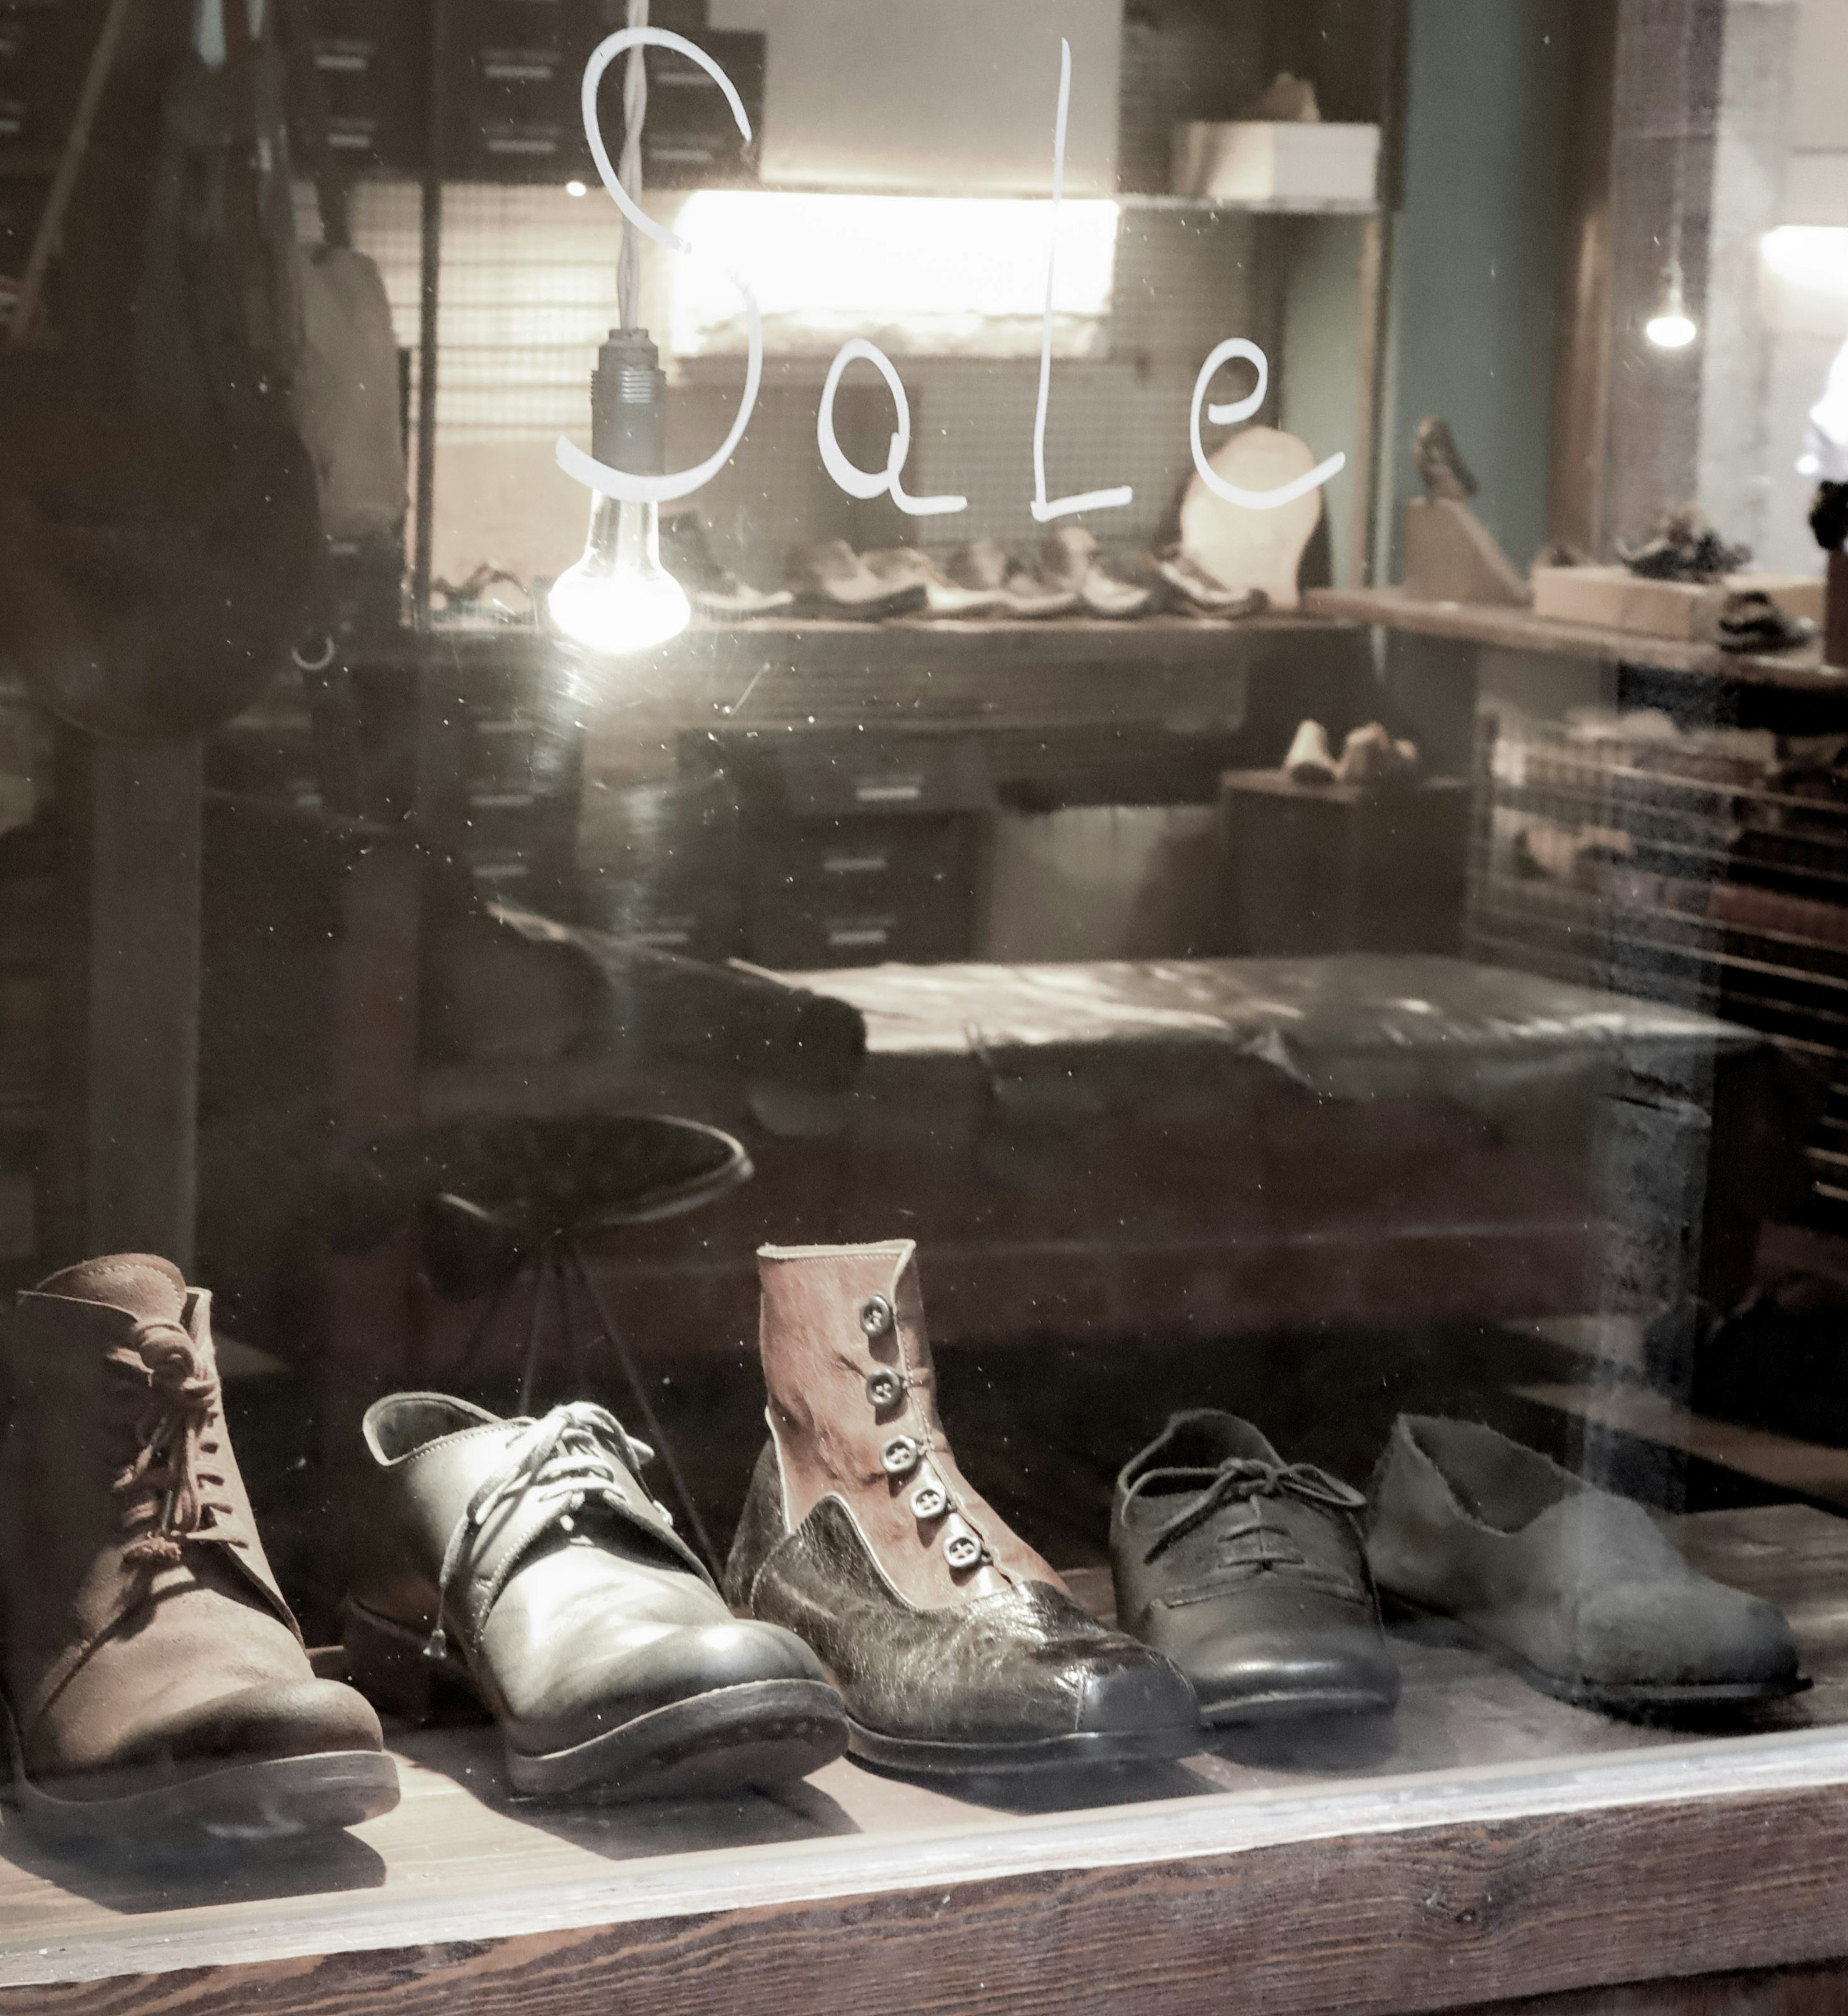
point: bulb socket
(629, 405)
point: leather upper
(1246, 1570)
(1581, 1583)
(1023, 1663)
(832, 1436)
(570, 1619)
(143, 1629)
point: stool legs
(651, 1424)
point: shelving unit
(1705, 881)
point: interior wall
(1805, 312)
(1472, 261)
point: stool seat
(492, 1198)
(526, 1181)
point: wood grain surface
(1486, 1842)
(1801, 670)
(1422, 1921)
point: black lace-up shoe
(527, 1559)
(1247, 1572)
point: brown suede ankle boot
(957, 1648)
(154, 1679)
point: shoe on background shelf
(1070, 558)
(1309, 760)
(527, 1561)
(831, 579)
(1370, 758)
(956, 1647)
(1751, 620)
(155, 1682)
(1190, 589)
(1684, 547)
(905, 566)
(987, 565)
(712, 588)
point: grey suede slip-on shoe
(526, 1560)
(1576, 1588)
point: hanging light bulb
(618, 598)
(1671, 327)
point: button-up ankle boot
(151, 1678)
(956, 1647)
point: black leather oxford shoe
(1247, 1572)
(527, 1560)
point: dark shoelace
(167, 1484)
(1244, 1478)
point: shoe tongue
(141, 1284)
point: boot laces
(573, 1456)
(167, 1486)
(1251, 1480)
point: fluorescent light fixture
(954, 275)
(1814, 257)
(577, 188)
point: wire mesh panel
(1708, 867)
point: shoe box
(856, 849)
(513, 77)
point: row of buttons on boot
(904, 1453)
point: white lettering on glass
(859, 482)
(1090, 500)
(1242, 409)
(596, 475)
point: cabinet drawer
(793, 934)
(864, 777)
(856, 862)
(698, 920)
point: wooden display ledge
(1485, 1843)
(806, 672)
(1514, 629)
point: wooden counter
(1485, 1843)
(1513, 629)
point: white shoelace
(573, 1456)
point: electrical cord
(628, 277)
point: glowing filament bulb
(618, 598)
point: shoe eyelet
(884, 1388)
(900, 1456)
(930, 1500)
(876, 1316)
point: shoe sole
(269, 1800)
(1594, 1694)
(1076, 1748)
(758, 1733)
(762, 1733)
(1300, 1706)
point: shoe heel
(387, 1664)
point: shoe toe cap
(1693, 1633)
(303, 1717)
(1330, 1671)
(1133, 1688)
